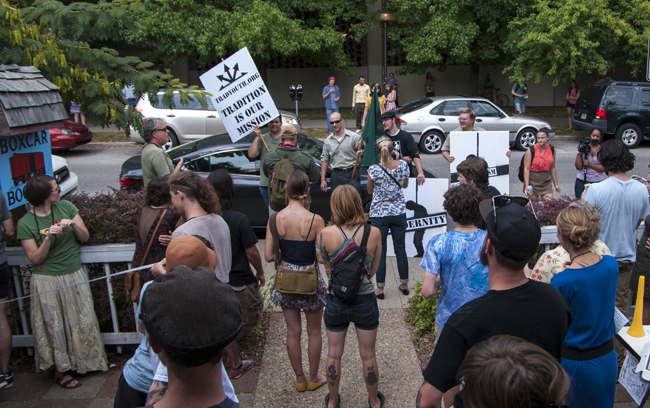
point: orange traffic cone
(636, 329)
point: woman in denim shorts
(336, 242)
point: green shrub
(423, 311)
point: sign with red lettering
(239, 94)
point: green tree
(565, 38)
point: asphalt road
(98, 168)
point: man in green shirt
(269, 143)
(154, 160)
(488, 87)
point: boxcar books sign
(21, 158)
(239, 94)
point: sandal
(300, 387)
(382, 399)
(66, 384)
(314, 386)
(327, 401)
(405, 291)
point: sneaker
(237, 372)
(7, 379)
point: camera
(584, 146)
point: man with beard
(403, 143)
(513, 235)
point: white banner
(491, 146)
(425, 216)
(239, 94)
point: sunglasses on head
(335, 121)
(501, 200)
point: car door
(448, 114)
(619, 104)
(489, 117)
(213, 122)
(187, 121)
(644, 109)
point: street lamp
(385, 17)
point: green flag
(372, 130)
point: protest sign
(21, 158)
(239, 94)
(491, 146)
(425, 216)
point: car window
(645, 97)
(415, 105)
(193, 103)
(619, 96)
(233, 161)
(453, 108)
(485, 109)
(592, 94)
(310, 145)
(210, 105)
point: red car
(72, 134)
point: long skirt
(65, 327)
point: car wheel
(173, 140)
(526, 138)
(431, 142)
(630, 135)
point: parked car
(72, 134)
(430, 120)
(616, 108)
(191, 122)
(67, 180)
(218, 152)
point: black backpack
(346, 274)
(532, 156)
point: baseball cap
(332, 78)
(189, 250)
(388, 115)
(514, 229)
(289, 130)
(189, 312)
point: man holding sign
(269, 142)
(466, 118)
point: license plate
(583, 116)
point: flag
(372, 130)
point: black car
(206, 155)
(616, 108)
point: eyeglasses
(332, 122)
(162, 130)
(501, 200)
(57, 189)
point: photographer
(591, 171)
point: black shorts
(5, 278)
(570, 105)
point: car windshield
(415, 105)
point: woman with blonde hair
(296, 230)
(388, 210)
(338, 242)
(589, 285)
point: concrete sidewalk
(271, 383)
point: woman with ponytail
(388, 210)
(589, 285)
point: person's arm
(527, 163)
(579, 161)
(365, 113)
(323, 254)
(418, 166)
(568, 95)
(78, 226)
(375, 238)
(430, 285)
(8, 226)
(177, 169)
(324, 162)
(396, 84)
(371, 185)
(428, 396)
(354, 97)
(406, 182)
(253, 149)
(554, 176)
(337, 92)
(253, 255)
(391, 96)
(446, 147)
(269, 245)
(326, 94)
(513, 91)
(37, 254)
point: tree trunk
(473, 80)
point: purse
(287, 281)
(132, 283)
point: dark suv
(617, 108)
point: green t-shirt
(155, 163)
(272, 143)
(64, 255)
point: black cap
(515, 229)
(188, 311)
(388, 115)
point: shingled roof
(28, 101)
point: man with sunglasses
(514, 305)
(154, 160)
(403, 143)
(340, 150)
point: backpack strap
(276, 238)
(364, 241)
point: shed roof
(28, 101)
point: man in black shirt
(514, 305)
(403, 143)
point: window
(453, 108)
(645, 97)
(233, 161)
(485, 109)
(619, 96)
(310, 146)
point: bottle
(529, 190)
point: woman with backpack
(291, 243)
(388, 210)
(350, 249)
(539, 169)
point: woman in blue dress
(589, 285)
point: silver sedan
(430, 120)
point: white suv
(191, 122)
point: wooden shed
(28, 101)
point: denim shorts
(364, 313)
(520, 106)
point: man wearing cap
(269, 142)
(403, 143)
(360, 93)
(301, 161)
(514, 305)
(331, 94)
(340, 150)
(178, 311)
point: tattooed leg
(336, 342)
(367, 340)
